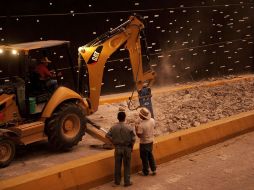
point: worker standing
(145, 131)
(123, 139)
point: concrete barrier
(98, 169)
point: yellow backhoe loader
(31, 111)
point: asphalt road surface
(39, 156)
(225, 166)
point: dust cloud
(165, 71)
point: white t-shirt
(146, 131)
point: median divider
(98, 169)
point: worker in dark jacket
(123, 139)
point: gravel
(187, 108)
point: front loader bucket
(97, 133)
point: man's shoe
(127, 184)
(142, 174)
(153, 172)
(115, 184)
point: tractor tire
(66, 126)
(7, 152)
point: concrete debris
(189, 108)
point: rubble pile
(192, 107)
(188, 108)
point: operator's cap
(45, 60)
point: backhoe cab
(31, 111)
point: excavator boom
(95, 54)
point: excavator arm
(95, 54)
